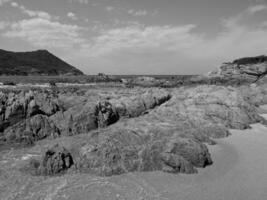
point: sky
(137, 36)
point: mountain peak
(40, 62)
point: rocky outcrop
(251, 60)
(256, 94)
(122, 151)
(252, 68)
(155, 132)
(207, 106)
(76, 120)
(135, 106)
(16, 107)
(105, 114)
(138, 129)
(56, 160)
(92, 115)
(32, 129)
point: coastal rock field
(49, 135)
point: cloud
(79, 1)
(140, 38)
(110, 8)
(3, 25)
(181, 49)
(32, 13)
(137, 48)
(72, 16)
(40, 14)
(3, 1)
(256, 8)
(41, 32)
(137, 12)
(14, 4)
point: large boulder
(195, 153)
(117, 151)
(174, 163)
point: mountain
(40, 62)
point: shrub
(10, 83)
(52, 83)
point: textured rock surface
(33, 129)
(105, 114)
(139, 129)
(91, 114)
(121, 151)
(248, 68)
(56, 160)
(20, 106)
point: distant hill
(40, 62)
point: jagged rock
(158, 129)
(48, 103)
(207, 106)
(105, 114)
(23, 105)
(247, 68)
(32, 129)
(89, 116)
(33, 109)
(78, 119)
(135, 106)
(55, 161)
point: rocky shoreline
(114, 132)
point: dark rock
(56, 161)
(105, 114)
